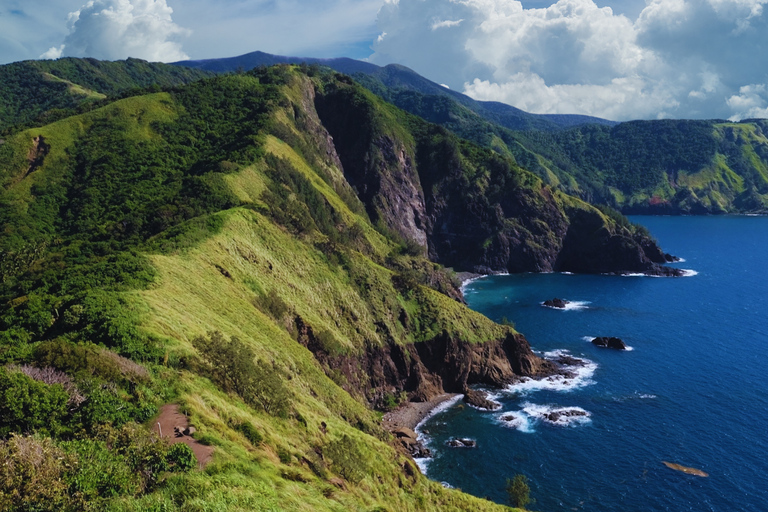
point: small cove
(692, 391)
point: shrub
(518, 490)
(250, 433)
(32, 475)
(100, 472)
(346, 458)
(180, 457)
(232, 365)
(27, 405)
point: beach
(410, 414)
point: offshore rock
(610, 342)
(556, 303)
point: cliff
(206, 246)
(469, 207)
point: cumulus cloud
(118, 29)
(677, 58)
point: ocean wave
(525, 420)
(423, 462)
(687, 272)
(574, 305)
(581, 375)
(517, 420)
(557, 415)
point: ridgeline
(267, 250)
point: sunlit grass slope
(133, 233)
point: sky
(620, 60)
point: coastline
(410, 414)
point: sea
(692, 390)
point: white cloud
(681, 58)
(446, 24)
(751, 102)
(118, 29)
(53, 52)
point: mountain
(639, 167)
(41, 91)
(395, 76)
(261, 252)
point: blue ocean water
(693, 391)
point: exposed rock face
(428, 369)
(610, 342)
(478, 213)
(379, 167)
(479, 399)
(410, 442)
(556, 303)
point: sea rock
(556, 303)
(479, 399)
(610, 342)
(554, 416)
(461, 442)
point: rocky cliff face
(471, 208)
(427, 369)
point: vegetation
(519, 491)
(180, 247)
(39, 92)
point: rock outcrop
(430, 368)
(610, 342)
(556, 303)
(471, 208)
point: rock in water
(610, 342)
(461, 442)
(556, 303)
(480, 400)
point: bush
(27, 405)
(518, 490)
(346, 458)
(232, 365)
(180, 457)
(250, 433)
(100, 472)
(32, 475)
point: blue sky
(620, 60)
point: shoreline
(410, 414)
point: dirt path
(171, 424)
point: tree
(519, 491)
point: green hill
(253, 248)
(38, 92)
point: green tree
(519, 491)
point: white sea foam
(437, 410)
(557, 415)
(574, 305)
(582, 376)
(517, 420)
(423, 462)
(689, 273)
(680, 260)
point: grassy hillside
(201, 246)
(38, 92)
